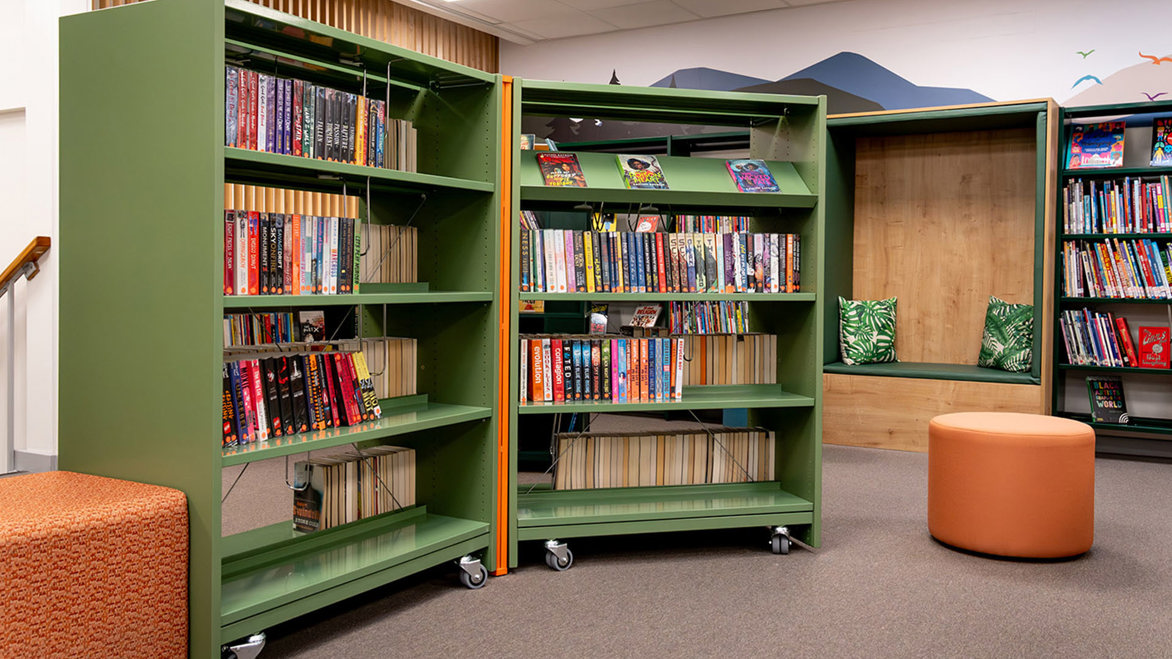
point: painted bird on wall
(1156, 60)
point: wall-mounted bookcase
(786, 131)
(1146, 390)
(142, 173)
(941, 208)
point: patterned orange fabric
(1010, 484)
(91, 567)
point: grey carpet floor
(878, 587)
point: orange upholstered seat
(1011, 484)
(92, 567)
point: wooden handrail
(30, 254)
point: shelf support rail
(26, 264)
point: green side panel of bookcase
(840, 234)
(140, 283)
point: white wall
(1004, 49)
(28, 188)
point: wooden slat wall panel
(392, 23)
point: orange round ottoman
(1010, 484)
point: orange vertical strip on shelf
(505, 293)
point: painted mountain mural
(1137, 83)
(851, 82)
(702, 77)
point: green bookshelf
(1146, 390)
(786, 131)
(142, 253)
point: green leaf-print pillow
(1008, 343)
(866, 331)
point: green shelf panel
(1101, 236)
(313, 301)
(706, 397)
(566, 507)
(259, 25)
(978, 117)
(1116, 172)
(696, 182)
(932, 371)
(672, 297)
(247, 166)
(411, 414)
(1116, 300)
(1150, 426)
(275, 566)
(1116, 369)
(652, 104)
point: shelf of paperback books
(702, 397)
(399, 416)
(1119, 300)
(692, 182)
(247, 166)
(410, 297)
(544, 513)
(673, 297)
(1115, 369)
(274, 566)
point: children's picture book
(1107, 405)
(527, 140)
(1153, 347)
(641, 172)
(561, 170)
(598, 318)
(1096, 145)
(1162, 142)
(531, 306)
(645, 315)
(751, 175)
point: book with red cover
(1153, 347)
(561, 170)
(1125, 340)
(558, 373)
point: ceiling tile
(645, 14)
(801, 3)
(591, 5)
(711, 8)
(511, 11)
(557, 27)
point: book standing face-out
(752, 176)
(641, 172)
(561, 170)
(1096, 145)
(1107, 405)
(1162, 142)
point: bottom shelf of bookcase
(273, 574)
(544, 514)
(1139, 425)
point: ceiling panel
(645, 14)
(709, 9)
(564, 25)
(591, 5)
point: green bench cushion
(930, 371)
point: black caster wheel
(780, 544)
(562, 565)
(475, 581)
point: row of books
(643, 172)
(293, 117)
(1097, 145)
(1103, 339)
(393, 364)
(724, 455)
(730, 359)
(392, 254)
(1130, 205)
(708, 317)
(712, 223)
(568, 368)
(283, 248)
(1126, 269)
(281, 396)
(337, 490)
(255, 329)
(563, 260)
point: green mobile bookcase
(142, 173)
(788, 132)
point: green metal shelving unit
(789, 133)
(142, 175)
(1069, 379)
